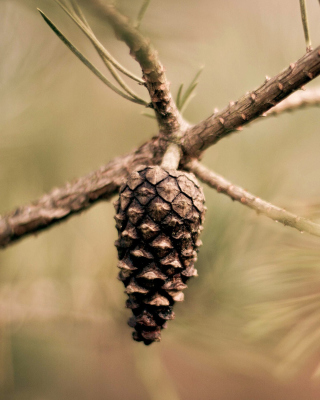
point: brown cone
(158, 216)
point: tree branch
(169, 118)
(262, 207)
(252, 105)
(74, 197)
(132, 97)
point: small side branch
(168, 116)
(252, 105)
(297, 100)
(262, 207)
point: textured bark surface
(167, 114)
(252, 105)
(74, 197)
(158, 216)
(77, 196)
(237, 193)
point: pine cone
(159, 216)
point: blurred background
(250, 325)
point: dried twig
(261, 206)
(169, 119)
(71, 199)
(75, 197)
(252, 105)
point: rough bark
(169, 119)
(307, 98)
(252, 105)
(74, 197)
(237, 193)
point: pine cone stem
(171, 158)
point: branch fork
(177, 143)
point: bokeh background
(250, 325)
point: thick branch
(168, 116)
(237, 193)
(72, 198)
(252, 105)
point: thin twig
(261, 206)
(252, 105)
(169, 119)
(87, 63)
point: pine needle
(86, 62)
(145, 114)
(193, 84)
(187, 102)
(80, 20)
(78, 11)
(184, 100)
(142, 12)
(103, 53)
(304, 18)
(179, 96)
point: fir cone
(158, 217)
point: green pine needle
(304, 17)
(187, 102)
(184, 100)
(86, 62)
(106, 57)
(145, 114)
(78, 12)
(179, 96)
(80, 20)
